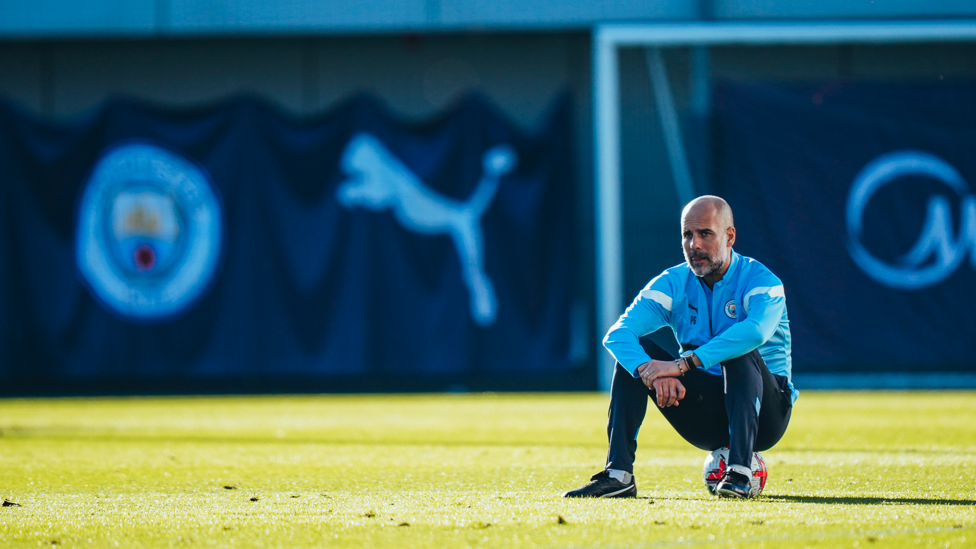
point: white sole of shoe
(618, 492)
(730, 494)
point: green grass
(854, 470)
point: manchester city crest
(149, 231)
(730, 308)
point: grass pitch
(854, 470)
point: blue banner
(236, 241)
(862, 198)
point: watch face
(687, 354)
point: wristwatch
(687, 357)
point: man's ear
(730, 233)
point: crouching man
(731, 385)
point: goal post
(608, 39)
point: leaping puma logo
(379, 180)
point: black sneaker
(602, 485)
(734, 485)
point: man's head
(707, 236)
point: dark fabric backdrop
(787, 157)
(305, 287)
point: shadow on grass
(869, 501)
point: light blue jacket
(746, 311)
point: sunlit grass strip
(469, 470)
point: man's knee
(747, 366)
(751, 360)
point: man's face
(705, 239)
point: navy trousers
(746, 408)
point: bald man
(730, 386)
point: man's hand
(654, 369)
(668, 390)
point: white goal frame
(607, 39)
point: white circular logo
(730, 308)
(149, 231)
(936, 241)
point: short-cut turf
(855, 469)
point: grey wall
(100, 18)
(417, 76)
(147, 18)
(841, 9)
